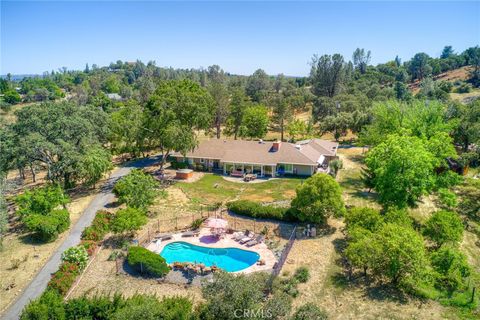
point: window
(202, 160)
(289, 167)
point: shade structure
(217, 223)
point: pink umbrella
(216, 223)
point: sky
(279, 37)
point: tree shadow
(112, 205)
(386, 292)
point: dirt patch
(101, 278)
(320, 256)
(28, 256)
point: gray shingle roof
(306, 152)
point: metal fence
(283, 257)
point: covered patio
(260, 170)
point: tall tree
(255, 122)
(173, 113)
(282, 112)
(328, 74)
(361, 59)
(258, 85)
(447, 52)
(238, 105)
(419, 66)
(219, 92)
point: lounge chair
(248, 238)
(192, 233)
(257, 240)
(166, 237)
(237, 236)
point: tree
(94, 164)
(361, 59)
(58, 136)
(447, 52)
(128, 220)
(41, 200)
(282, 112)
(452, 268)
(444, 226)
(366, 218)
(319, 197)
(338, 124)
(238, 105)
(173, 113)
(467, 130)
(328, 74)
(228, 295)
(258, 85)
(402, 170)
(3, 208)
(221, 97)
(255, 122)
(126, 129)
(12, 97)
(136, 190)
(297, 129)
(47, 227)
(419, 66)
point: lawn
(211, 189)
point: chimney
(276, 146)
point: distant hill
(461, 74)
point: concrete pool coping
(206, 239)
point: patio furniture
(238, 236)
(257, 240)
(247, 238)
(192, 233)
(166, 237)
(237, 173)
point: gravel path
(40, 281)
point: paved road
(39, 283)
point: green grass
(212, 188)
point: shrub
(100, 226)
(77, 255)
(310, 311)
(128, 220)
(335, 166)
(48, 306)
(48, 227)
(256, 210)
(317, 198)
(63, 279)
(145, 261)
(447, 198)
(149, 307)
(444, 226)
(451, 266)
(366, 218)
(398, 216)
(197, 223)
(89, 245)
(178, 165)
(302, 274)
(40, 200)
(137, 189)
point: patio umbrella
(217, 223)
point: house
(237, 157)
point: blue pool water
(228, 259)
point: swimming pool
(228, 259)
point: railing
(283, 257)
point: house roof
(306, 152)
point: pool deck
(206, 239)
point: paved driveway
(39, 283)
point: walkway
(40, 281)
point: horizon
(239, 37)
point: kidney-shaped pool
(229, 259)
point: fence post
(176, 223)
(158, 225)
(254, 231)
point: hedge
(63, 279)
(145, 261)
(100, 226)
(256, 210)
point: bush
(302, 274)
(89, 245)
(99, 227)
(451, 266)
(444, 226)
(77, 255)
(367, 218)
(256, 210)
(137, 189)
(128, 220)
(149, 308)
(319, 197)
(310, 311)
(48, 227)
(197, 223)
(447, 198)
(145, 261)
(48, 306)
(178, 165)
(63, 279)
(40, 200)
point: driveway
(39, 283)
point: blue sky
(279, 37)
